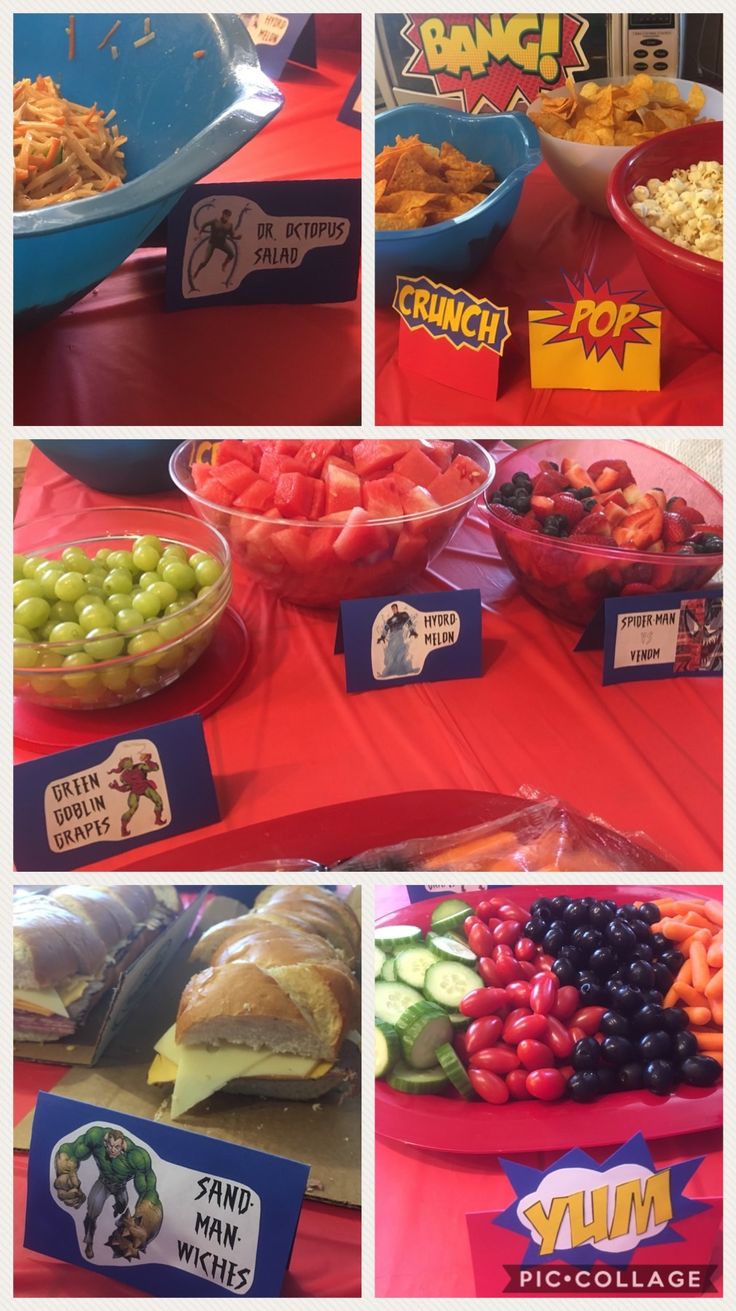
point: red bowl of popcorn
(688, 284)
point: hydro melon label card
(171, 1213)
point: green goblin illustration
(119, 1161)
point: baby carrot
(671, 997)
(714, 910)
(709, 1042)
(690, 995)
(716, 1010)
(698, 1015)
(673, 930)
(717, 1056)
(714, 955)
(696, 920)
(701, 973)
(714, 989)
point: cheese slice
(72, 991)
(198, 1072)
(40, 1001)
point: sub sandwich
(71, 944)
(271, 1014)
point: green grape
(31, 564)
(25, 657)
(47, 582)
(197, 557)
(186, 598)
(95, 578)
(63, 612)
(144, 675)
(128, 620)
(101, 556)
(173, 551)
(121, 560)
(164, 591)
(143, 644)
(104, 644)
(118, 601)
(44, 633)
(208, 571)
(96, 615)
(147, 579)
(174, 608)
(88, 598)
(150, 542)
(45, 684)
(147, 603)
(67, 633)
(76, 559)
(33, 612)
(79, 660)
(118, 580)
(21, 633)
(18, 566)
(70, 586)
(115, 678)
(145, 557)
(170, 628)
(180, 575)
(26, 588)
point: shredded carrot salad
(61, 151)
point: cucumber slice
(397, 936)
(455, 937)
(450, 915)
(454, 1071)
(458, 1021)
(422, 1029)
(447, 982)
(389, 969)
(380, 959)
(412, 964)
(388, 1049)
(406, 1080)
(392, 999)
(449, 948)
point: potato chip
(621, 115)
(418, 184)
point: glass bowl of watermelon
(111, 604)
(320, 522)
(577, 521)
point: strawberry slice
(595, 524)
(676, 528)
(619, 468)
(676, 504)
(575, 473)
(641, 528)
(548, 483)
(692, 514)
(505, 513)
(565, 504)
(542, 506)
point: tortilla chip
(393, 222)
(418, 184)
(410, 175)
(380, 188)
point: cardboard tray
(86, 1046)
(326, 1134)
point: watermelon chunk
(311, 458)
(294, 495)
(247, 452)
(382, 497)
(212, 490)
(460, 479)
(201, 474)
(293, 544)
(235, 475)
(360, 539)
(369, 455)
(273, 465)
(342, 489)
(441, 453)
(258, 497)
(416, 466)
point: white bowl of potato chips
(586, 128)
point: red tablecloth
(551, 232)
(325, 1261)
(117, 357)
(643, 756)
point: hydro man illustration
(119, 1162)
(135, 781)
(396, 632)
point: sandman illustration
(119, 1161)
(135, 781)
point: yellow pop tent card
(597, 339)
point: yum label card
(581, 1226)
(170, 1213)
(264, 243)
(451, 336)
(595, 339)
(281, 37)
(76, 807)
(659, 635)
(395, 640)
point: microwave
(435, 58)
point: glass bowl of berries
(577, 521)
(112, 604)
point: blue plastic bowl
(457, 247)
(119, 467)
(183, 117)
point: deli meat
(42, 1028)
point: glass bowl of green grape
(113, 604)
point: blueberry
(543, 908)
(521, 479)
(660, 943)
(616, 1025)
(684, 1046)
(586, 1055)
(660, 1077)
(592, 994)
(621, 936)
(654, 1045)
(535, 928)
(644, 951)
(649, 912)
(553, 940)
(602, 962)
(617, 1050)
(558, 904)
(576, 913)
(641, 974)
(630, 1077)
(648, 1019)
(700, 1071)
(674, 960)
(662, 977)
(674, 1021)
(507, 489)
(628, 999)
(584, 1086)
(565, 971)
